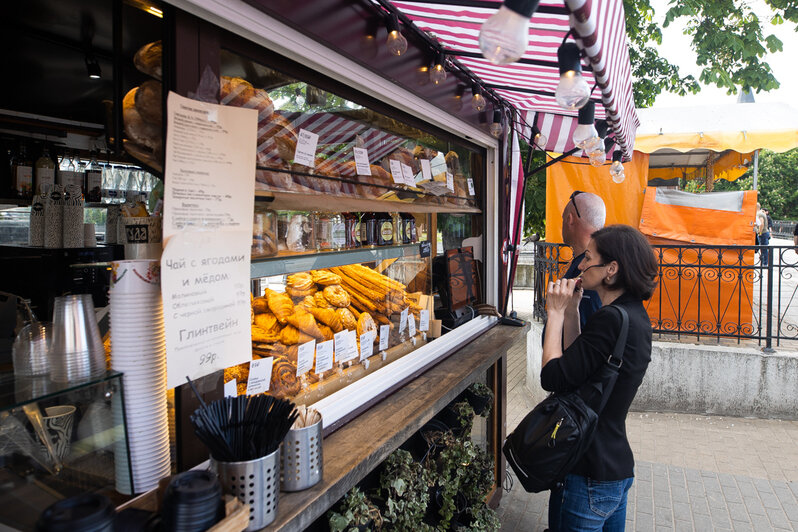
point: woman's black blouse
(609, 457)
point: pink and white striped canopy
(529, 84)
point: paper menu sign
(362, 165)
(411, 325)
(210, 166)
(450, 181)
(396, 172)
(407, 173)
(426, 170)
(231, 388)
(304, 357)
(345, 346)
(205, 290)
(324, 356)
(423, 320)
(385, 334)
(260, 375)
(403, 320)
(366, 344)
(471, 190)
(305, 152)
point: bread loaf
(149, 103)
(149, 59)
(136, 128)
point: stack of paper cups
(138, 349)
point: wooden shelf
(288, 201)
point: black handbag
(551, 439)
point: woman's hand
(564, 295)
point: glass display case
(56, 441)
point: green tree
(534, 194)
(727, 37)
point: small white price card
(345, 346)
(362, 165)
(324, 357)
(304, 357)
(366, 344)
(260, 375)
(306, 148)
(403, 320)
(230, 389)
(396, 172)
(471, 191)
(407, 172)
(426, 170)
(411, 325)
(450, 181)
(385, 334)
(423, 320)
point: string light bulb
(616, 168)
(503, 38)
(585, 133)
(572, 92)
(598, 160)
(437, 74)
(477, 100)
(539, 139)
(496, 128)
(396, 42)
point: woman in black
(619, 264)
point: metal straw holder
(255, 482)
(301, 464)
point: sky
(676, 48)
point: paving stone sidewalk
(700, 473)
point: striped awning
(598, 28)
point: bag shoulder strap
(603, 381)
(617, 353)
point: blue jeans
(764, 240)
(586, 505)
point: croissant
(268, 322)
(326, 331)
(328, 317)
(305, 322)
(336, 295)
(260, 305)
(321, 301)
(300, 281)
(347, 318)
(365, 323)
(324, 277)
(289, 335)
(280, 305)
(295, 292)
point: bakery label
(471, 191)
(366, 344)
(411, 325)
(260, 375)
(324, 357)
(403, 320)
(362, 165)
(407, 173)
(305, 152)
(345, 346)
(396, 172)
(304, 357)
(450, 181)
(231, 388)
(423, 320)
(426, 170)
(385, 335)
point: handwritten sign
(304, 357)
(426, 170)
(362, 165)
(385, 334)
(260, 375)
(423, 320)
(324, 357)
(305, 152)
(230, 388)
(345, 346)
(396, 172)
(471, 191)
(450, 181)
(411, 325)
(403, 320)
(407, 173)
(366, 344)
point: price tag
(396, 172)
(305, 152)
(471, 187)
(423, 320)
(425, 248)
(403, 320)
(260, 375)
(362, 165)
(407, 172)
(366, 344)
(304, 357)
(324, 357)
(426, 170)
(385, 334)
(450, 181)
(345, 346)
(411, 325)
(230, 389)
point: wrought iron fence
(707, 291)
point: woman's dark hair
(638, 270)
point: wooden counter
(354, 450)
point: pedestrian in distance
(619, 265)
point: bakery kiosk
(401, 173)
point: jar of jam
(264, 232)
(384, 229)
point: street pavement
(692, 472)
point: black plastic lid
(193, 486)
(86, 512)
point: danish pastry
(347, 318)
(321, 301)
(365, 323)
(261, 336)
(289, 335)
(326, 331)
(284, 383)
(336, 295)
(268, 322)
(296, 292)
(260, 305)
(280, 305)
(323, 277)
(300, 281)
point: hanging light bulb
(539, 139)
(585, 132)
(396, 42)
(504, 36)
(437, 74)
(572, 92)
(477, 100)
(616, 168)
(598, 160)
(496, 128)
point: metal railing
(707, 292)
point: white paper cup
(135, 277)
(58, 421)
(89, 235)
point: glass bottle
(94, 180)
(384, 231)
(323, 230)
(409, 235)
(338, 231)
(44, 172)
(264, 232)
(357, 226)
(22, 174)
(398, 225)
(368, 229)
(350, 230)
